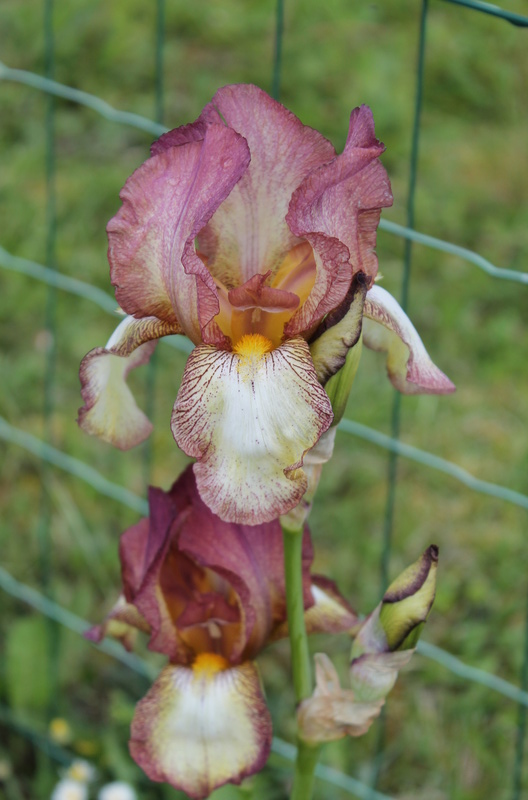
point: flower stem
(300, 657)
(301, 667)
(303, 779)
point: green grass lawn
(446, 739)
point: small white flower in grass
(118, 790)
(68, 789)
(82, 771)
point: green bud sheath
(338, 387)
(408, 600)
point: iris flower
(247, 233)
(210, 595)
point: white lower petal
(387, 327)
(249, 422)
(110, 411)
(200, 729)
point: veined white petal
(387, 327)
(198, 729)
(249, 419)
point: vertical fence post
(150, 378)
(50, 345)
(392, 464)
(277, 58)
(521, 721)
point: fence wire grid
(42, 449)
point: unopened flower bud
(387, 638)
(408, 600)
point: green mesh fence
(51, 458)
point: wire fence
(44, 450)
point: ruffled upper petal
(154, 266)
(337, 209)
(248, 234)
(388, 328)
(110, 410)
(202, 727)
(143, 549)
(248, 419)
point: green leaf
(27, 673)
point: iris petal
(110, 410)
(154, 266)
(249, 420)
(337, 209)
(388, 328)
(248, 234)
(200, 728)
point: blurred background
(62, 166)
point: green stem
(300, 657)
(303, 779)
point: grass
(445, 738)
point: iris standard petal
(387, 327)
(248, 417)
(248, 234)
(337, 210)
(154, 266)
(201, 727)
(110, 410)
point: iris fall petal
(198, 728)
(387, 327)
(110, 410)
(249, 419)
